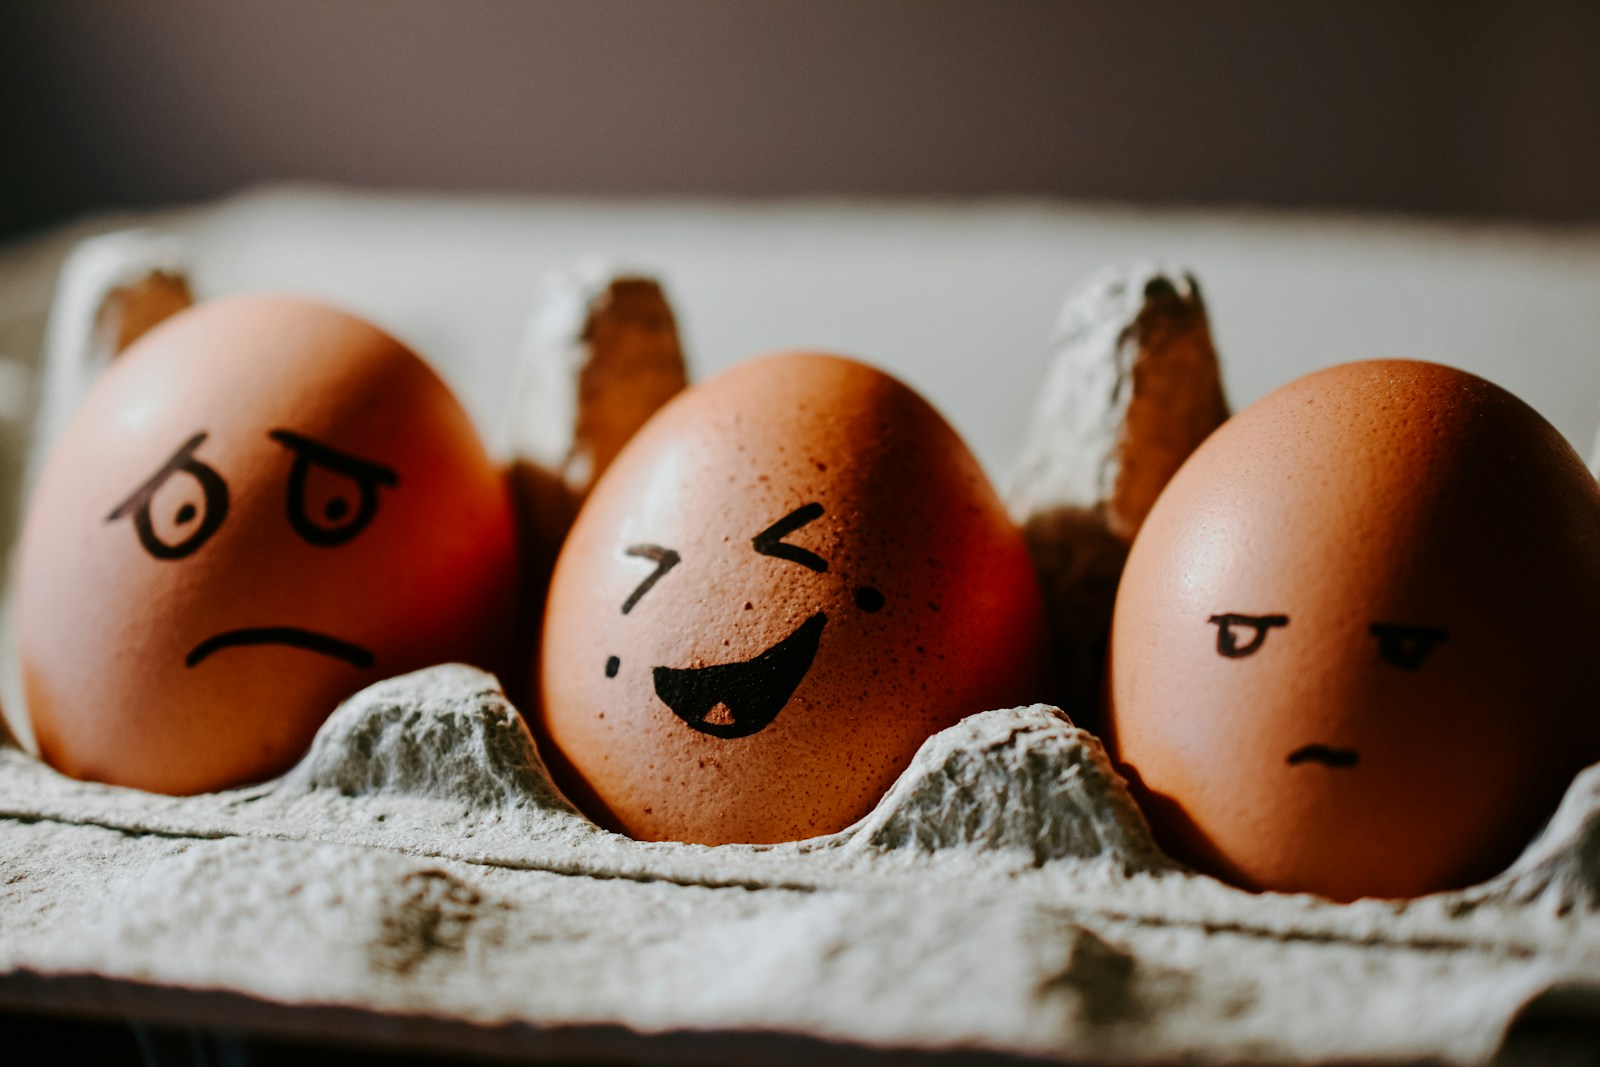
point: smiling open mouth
(753, 692)
(1328, 757)
(309, 640)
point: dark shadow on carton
(1079, 562)
(1178, 835)
(545, 509)
(1558, 1026)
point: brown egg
(262, 506)
(1353, 648)
(792, 576)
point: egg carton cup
(417, 880)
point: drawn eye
(1406, 646)
(868, 599)
(332, 496)
(1228, 640)
(665, 559)
(769, 542)
(188, 516)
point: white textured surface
(1004, 897)
(417, 878)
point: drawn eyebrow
(366, 475)
(1228, 643)
(211, 484)
(769, 542)
(665, 560)
(1406, 646)
(333, 459)
(1325, 755)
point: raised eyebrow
(1406, 645)
(769, 542)
(141, 495)
(1229, 647)
(333, 459)
(665, 559)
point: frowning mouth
(1328, 757)
(752, 692)
(291, 636)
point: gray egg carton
(418, 881)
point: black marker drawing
(769, 542)
(753, 691)
(216, 504)
(1227, 642)
(366, 475)
(291, 636)
(868, 599)
(1406, 646)
(665, 559)
(1338, 758)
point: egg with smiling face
(264, 505)
(792, 576)
(1352, 649)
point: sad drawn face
(263, 506)
(784, 584)
(334, 522)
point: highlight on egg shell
(1353, 649)
(792, 575)
(264, 505)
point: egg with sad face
(792, 576)
(264, 505)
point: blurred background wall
(1457, 109)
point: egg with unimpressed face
(263, 505)
(1352, 651)
(790, 577)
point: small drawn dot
(612, 666)
(186, 514)
(336, 509)
(868, 598)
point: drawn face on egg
(743, 697)
(262, 506)
(328, 520)
(790, 578)
(1350, 648)
(1402, 646)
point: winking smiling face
(792, 576)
